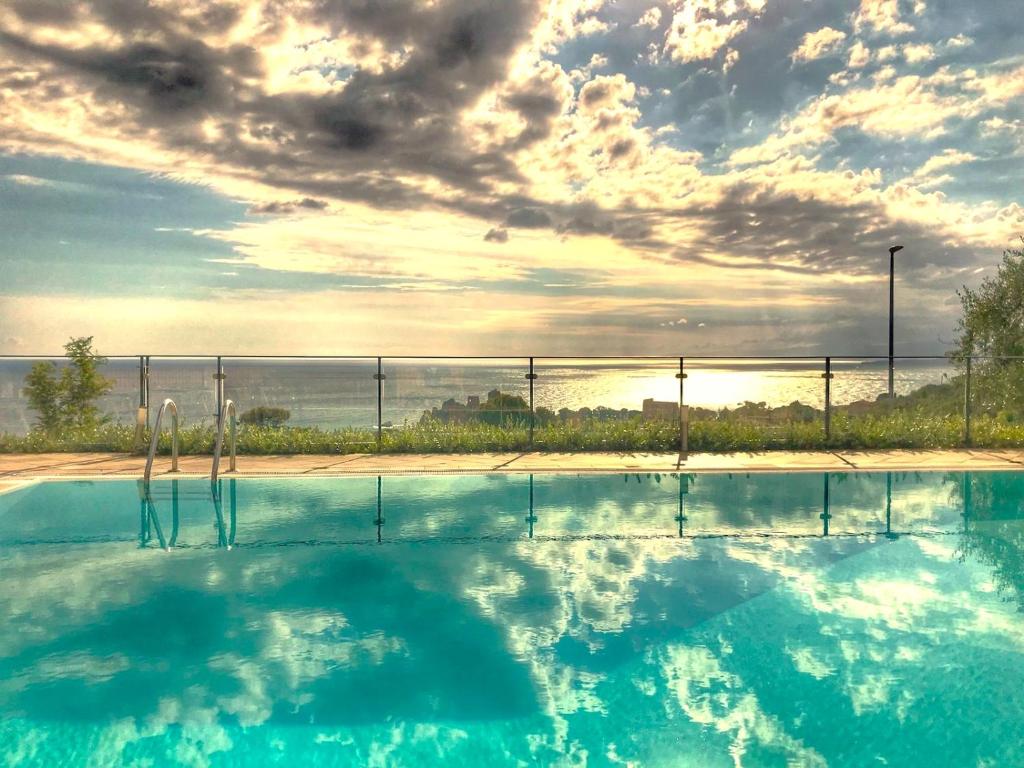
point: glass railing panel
(996, 400)
(607, 404)
(190, 383)
(336, 397)
(117, 406)
(455, 404)
(760, 403)
(926, 412)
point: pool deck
(16, 469)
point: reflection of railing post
(684, 488)
(888, 504)
(532, 518)
(684, 421)
(379, 377)
(967, 500)
(531, 377)
(826, 515)
(827, 376)
(967, 404)
(379, 522)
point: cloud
(881, 17)
(528, 218)
(691, 39)
(277, 207)
(916, 53)
(893, 107)
(860, 55)
(379, 140)
(947, 158)
(815, 45)
(650, 19)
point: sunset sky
(505, 177)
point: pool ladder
(229, 414)
(167, 404)
(227, 411)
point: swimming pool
(656, 620)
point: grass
(893, 429)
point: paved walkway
(15, 468)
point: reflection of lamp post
(892, 261)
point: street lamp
(892, 260)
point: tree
(991, 332)
(993, 314)
(43, 392)
(69, 401)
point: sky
(503, 177)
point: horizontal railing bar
(523, 358)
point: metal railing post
(147, 391)
(967, 404)
(142, 414)
(827, 376)
(684, 421)
(379, 377)
(219, 393)
(142, 381)
(531, 377)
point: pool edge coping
(18, 469)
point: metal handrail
(168, 403)
(228, 410)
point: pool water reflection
(756, 620)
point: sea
(333, 393)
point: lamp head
(895, 248)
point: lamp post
(892, 261)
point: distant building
(473, 401)
(660, 410)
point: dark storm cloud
(762, 229)
(278, 207)
(528, 218)
(496, 235)
(382, 125)
(180, 77)
(539, 101)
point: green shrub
(266, 416)
(895, 428)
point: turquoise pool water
(650, 620)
